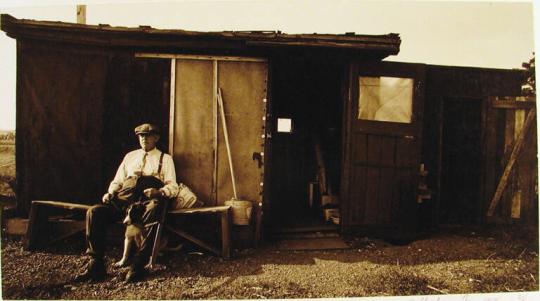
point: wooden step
(320, 230)
(305, 235)
(323, 227)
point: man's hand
(106, 198)
(153, 193)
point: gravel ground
(454, 262)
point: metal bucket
(241, 211)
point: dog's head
(134, 214)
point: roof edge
(106, 35)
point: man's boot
(95, 270)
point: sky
(493, 34)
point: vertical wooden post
(81, 14)
(527, 177)
(517, 198)
(215, 127)
(513, 157)
(34, 233)
(172, 106)
(23, 157)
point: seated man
(145, 175)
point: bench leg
(36, 224)
(226, 234)
(194, 240)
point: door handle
(257, 156)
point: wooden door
(198, 144)
(382, 146)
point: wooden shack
(302, 110)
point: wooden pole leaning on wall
(226, 134)
(518, 146)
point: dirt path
(456, 262)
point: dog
(135, 232)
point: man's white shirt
(132, 165)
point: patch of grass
(511, 281)
(7, 160)
(7, 169)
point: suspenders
(160, 163)
(159, 166)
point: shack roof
(148, 37)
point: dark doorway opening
(306, 93)
(461, 161)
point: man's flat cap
(147, 128)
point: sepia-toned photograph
(226, 149)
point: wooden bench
(39, 218)
(223, 211)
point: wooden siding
(76, 110)
(446, 83)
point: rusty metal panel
(243, 86)
(199, 148)
(193, 133)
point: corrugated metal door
(198, 144)
(382, 153)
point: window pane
(385, 99)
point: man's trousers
(100, 217)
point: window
(385, 99)
(284, 125)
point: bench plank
(201, 210)
(64, 205)
(39, 218)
